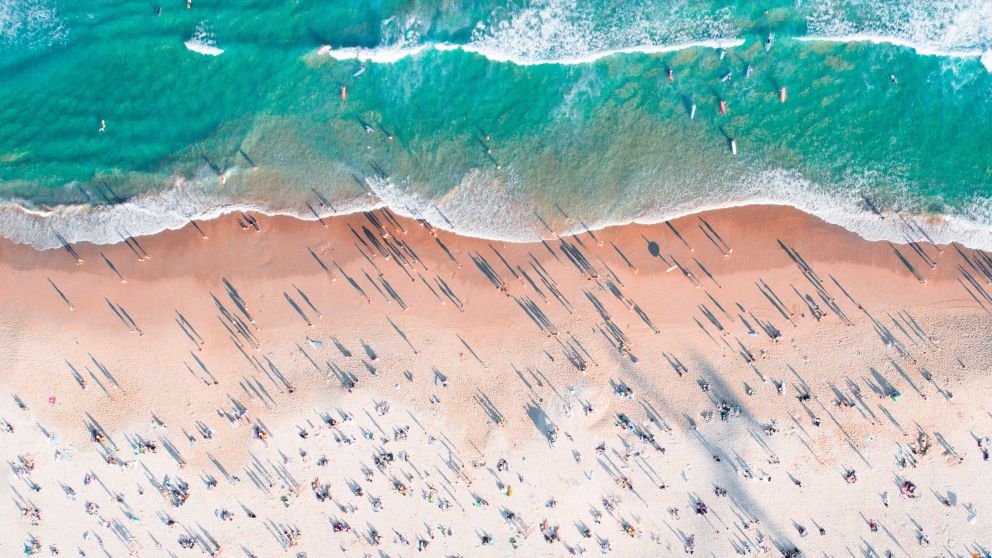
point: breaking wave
(498, 208)
(203, 42)
(389, 55)
(954, 28)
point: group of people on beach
(421, 469)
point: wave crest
(392, 54)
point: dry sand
(457, 362)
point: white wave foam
(203, 42)
(578, 32)
(565, 32)
(502, 56)
(379, 55)
(970, 226)
(922, 49)
(169, 209)
(480, 206)
(581, 31)
(960, 28)
(203, 48)
(489, 206)
(484, 206)
(401, 39)
(388, 55)
(30, 23)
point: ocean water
(494, 118)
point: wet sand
(757, 351)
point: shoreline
(175, 206)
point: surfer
(103, 125)
(768, 42)
(360, 71)
(189, 4)
(692, 112)
(727, 76)
(671, 76)
(747, 72)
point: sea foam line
(393, 54)
(921, 49)
(845, 209)
(389, 55)
(174, 207)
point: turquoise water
(529, 113)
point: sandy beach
(749, 381)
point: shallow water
(488, 117)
